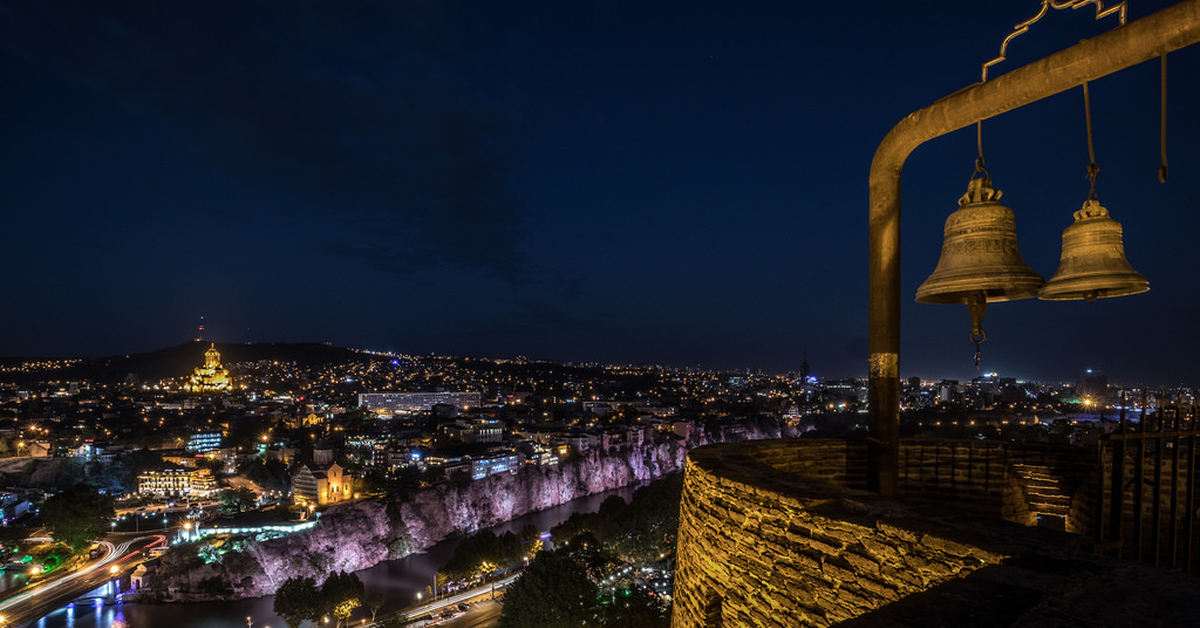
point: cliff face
(357, 535)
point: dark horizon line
(12, 358)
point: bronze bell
(980, 259)
(1093, 263)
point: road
(57, 589)
(484, 610)
(483, 614)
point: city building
(394, 402)
(12, 507)
(319, 485)
(476, 431)
(178, 483)
(204, 442)
(496, 463)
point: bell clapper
(977, 305)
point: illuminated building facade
(204, 442)
(491, 465)
(417, 402)
(211, 377)
(321, 485)
(177, 483)
(479, 431)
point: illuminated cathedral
(211, 377)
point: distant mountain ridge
(179, 361)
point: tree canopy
(234, 500)
(78, 515)
(341, 594)
(297, 600)
(484, 552)
(554, 591)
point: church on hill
(211, 377)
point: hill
(178, 361)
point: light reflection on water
(398, 580)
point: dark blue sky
(645, 182)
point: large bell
(980, 258)
(1093, 263)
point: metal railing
(1146, 502)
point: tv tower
(200, 331)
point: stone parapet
(782, 532)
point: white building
(417, 401)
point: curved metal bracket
(1023, 27)
(1177, 26)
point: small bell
(1093, 264)
(980, 253)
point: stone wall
(782, 532)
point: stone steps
(1044, 491)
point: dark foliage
(271, 474)
(78, 515)
(554, 591)
(470, 553)
(640, 530)
(235, 500)
(341, 594)
(297, 600)
(635, 607)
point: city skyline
(609, 183)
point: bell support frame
(1169, 29)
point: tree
(472, 552)
(235, 500)
(297, 600)
(374, 601)
(341, 594)
(271, 474)
(78, 515)
(554, 591)
(635, 607)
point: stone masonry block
(895, 532)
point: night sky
(622, 182)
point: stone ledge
(848, 555)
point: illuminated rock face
(357, 535)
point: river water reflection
(398, 580)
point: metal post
(1175, 442)
(1170, 29)
(1117, 488)
(1139, 479)
(1191, 492)
(1156, 507)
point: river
(398, 580)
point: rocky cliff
(357, 535)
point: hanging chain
(1093, 169)
(976, 307)
(980, 168)
(1162, 128)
